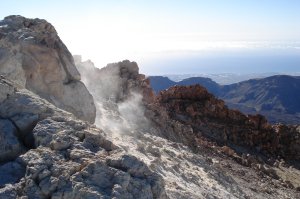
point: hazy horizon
(175, 37)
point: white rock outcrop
(32, 54)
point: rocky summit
(209, 117)
(181, 143)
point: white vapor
(119, 110)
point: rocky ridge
(276, 97)
(208, 116)
(194, 117)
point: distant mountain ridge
(159, 83)
(277, 97)
(226, 78)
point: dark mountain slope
(276, 97)
(280, 93)
(209, 84)
(159, 83)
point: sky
(190, 36)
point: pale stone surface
(8, 192)
(6, 89)
(68, 158)
(20, 101)
(32, 55)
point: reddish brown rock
(188, 113)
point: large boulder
(32, 54)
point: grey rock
(11, 172)
(21, 103)
(25, 122)
(32, 55)
(6, 89)
(8, 192)
(10, 146)
(69, 158)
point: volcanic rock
(116, 81)
(194, 117)
(68, 158)
(32, 54)
(10, 146)
(194, 107)
(185, 143)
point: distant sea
(229, 61)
